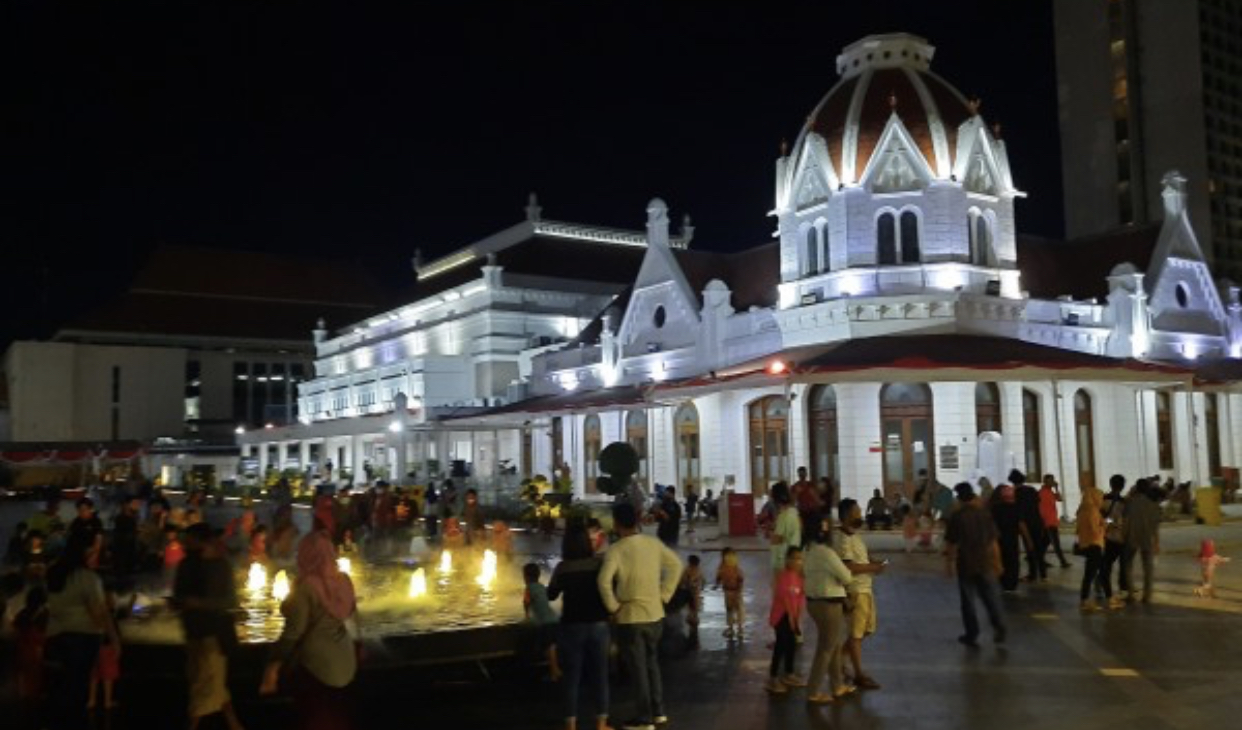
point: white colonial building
(900, 323)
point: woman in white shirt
(825, 580)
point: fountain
(418, 584)
(256, 581)
(446, 562)
(344, 565)
(280, 586)
(487, 572)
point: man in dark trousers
(971, 542)
(1031, 527)
(1142, 533)
(668, 517)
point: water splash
(256, 581)
(418, 584)
(344, 565)
(446, 562)
(487, 572)
(280, 586)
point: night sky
(368, 134)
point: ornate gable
(1183, 296)
(978, 164)
(897, 164)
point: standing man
(862, 619)
(668, 516)
(205, 593)
(638, 577)
(806, 498)
(971, 544)
(1142, 534)
(1030, 526)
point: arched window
(1211, 425)
(1084, 438)
(910, 253)
(812, 250)
(906, 433)
(822, 417)
(636, 436)
(1164, 429)
(1031, 432)
(592, 442)
(987, 408)
(886, 239)
(686, 428)
(769, 442)
(984, 255)
(558, 443)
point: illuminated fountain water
(418, 584)
(280, 586)
(256, 580)
(487, 572)
(446, 562)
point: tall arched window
(686, 428)
(1212, 428)
(984, 255)
(987, 407)
(1084, 438)
(906, 433)
(769, 442)
(910, 252)
(636, 436)
(1031, 432)
(812, 250)
(592, 442)
(1164, 429)
(822, 417)
(886, 238)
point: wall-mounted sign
(949, 458)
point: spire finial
(892, 101)
(996, 130)
(784, 148)
(974, 103)
(533, 210)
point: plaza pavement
(1174, 664)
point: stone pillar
(858, 439)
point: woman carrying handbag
(316, 650)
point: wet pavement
(1176, 663)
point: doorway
(906, 435)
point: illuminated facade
(899, 323)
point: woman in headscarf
(1089, 524)
(316, 641)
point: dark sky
(347, 132)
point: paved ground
(1173, 664)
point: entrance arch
(769, 442)
(636, 435)
(825, 448)
(1031, 433)
(906, 433)
(686, 429)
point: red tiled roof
(1080, 268)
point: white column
(858, 439)
(953, 425)
(304, 454)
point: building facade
(1148, 86)
(898, 324)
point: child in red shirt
(788, 598)
(729, 577)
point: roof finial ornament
(974, 103)
(418, 259)
(784, 147)
(892, 101)
(996, 130)
(687, 229)
(533, 210)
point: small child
(107, 667)
(599, 538)
(30, 629)
(1208, 560)
(729, 577)
(786, 616)
(909, 527)
(347, 547)
(174, 553)
(502, 539)
(539, 611)
(453, 536)
(258, 544)
(692, 582)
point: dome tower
(895, 185)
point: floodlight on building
(395, 427)
(270, 425)
(778, 367)
(240, 430)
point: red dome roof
(884, 75)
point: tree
(619, 461)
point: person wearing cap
(972, 546)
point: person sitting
(878, 512)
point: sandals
(820, 698)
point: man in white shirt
(638, 577)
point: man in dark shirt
(204, 591)
(125, 538)
(1031, 527)
(1142, 534)
(668, 515)
(87, 525)
(971, 542)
